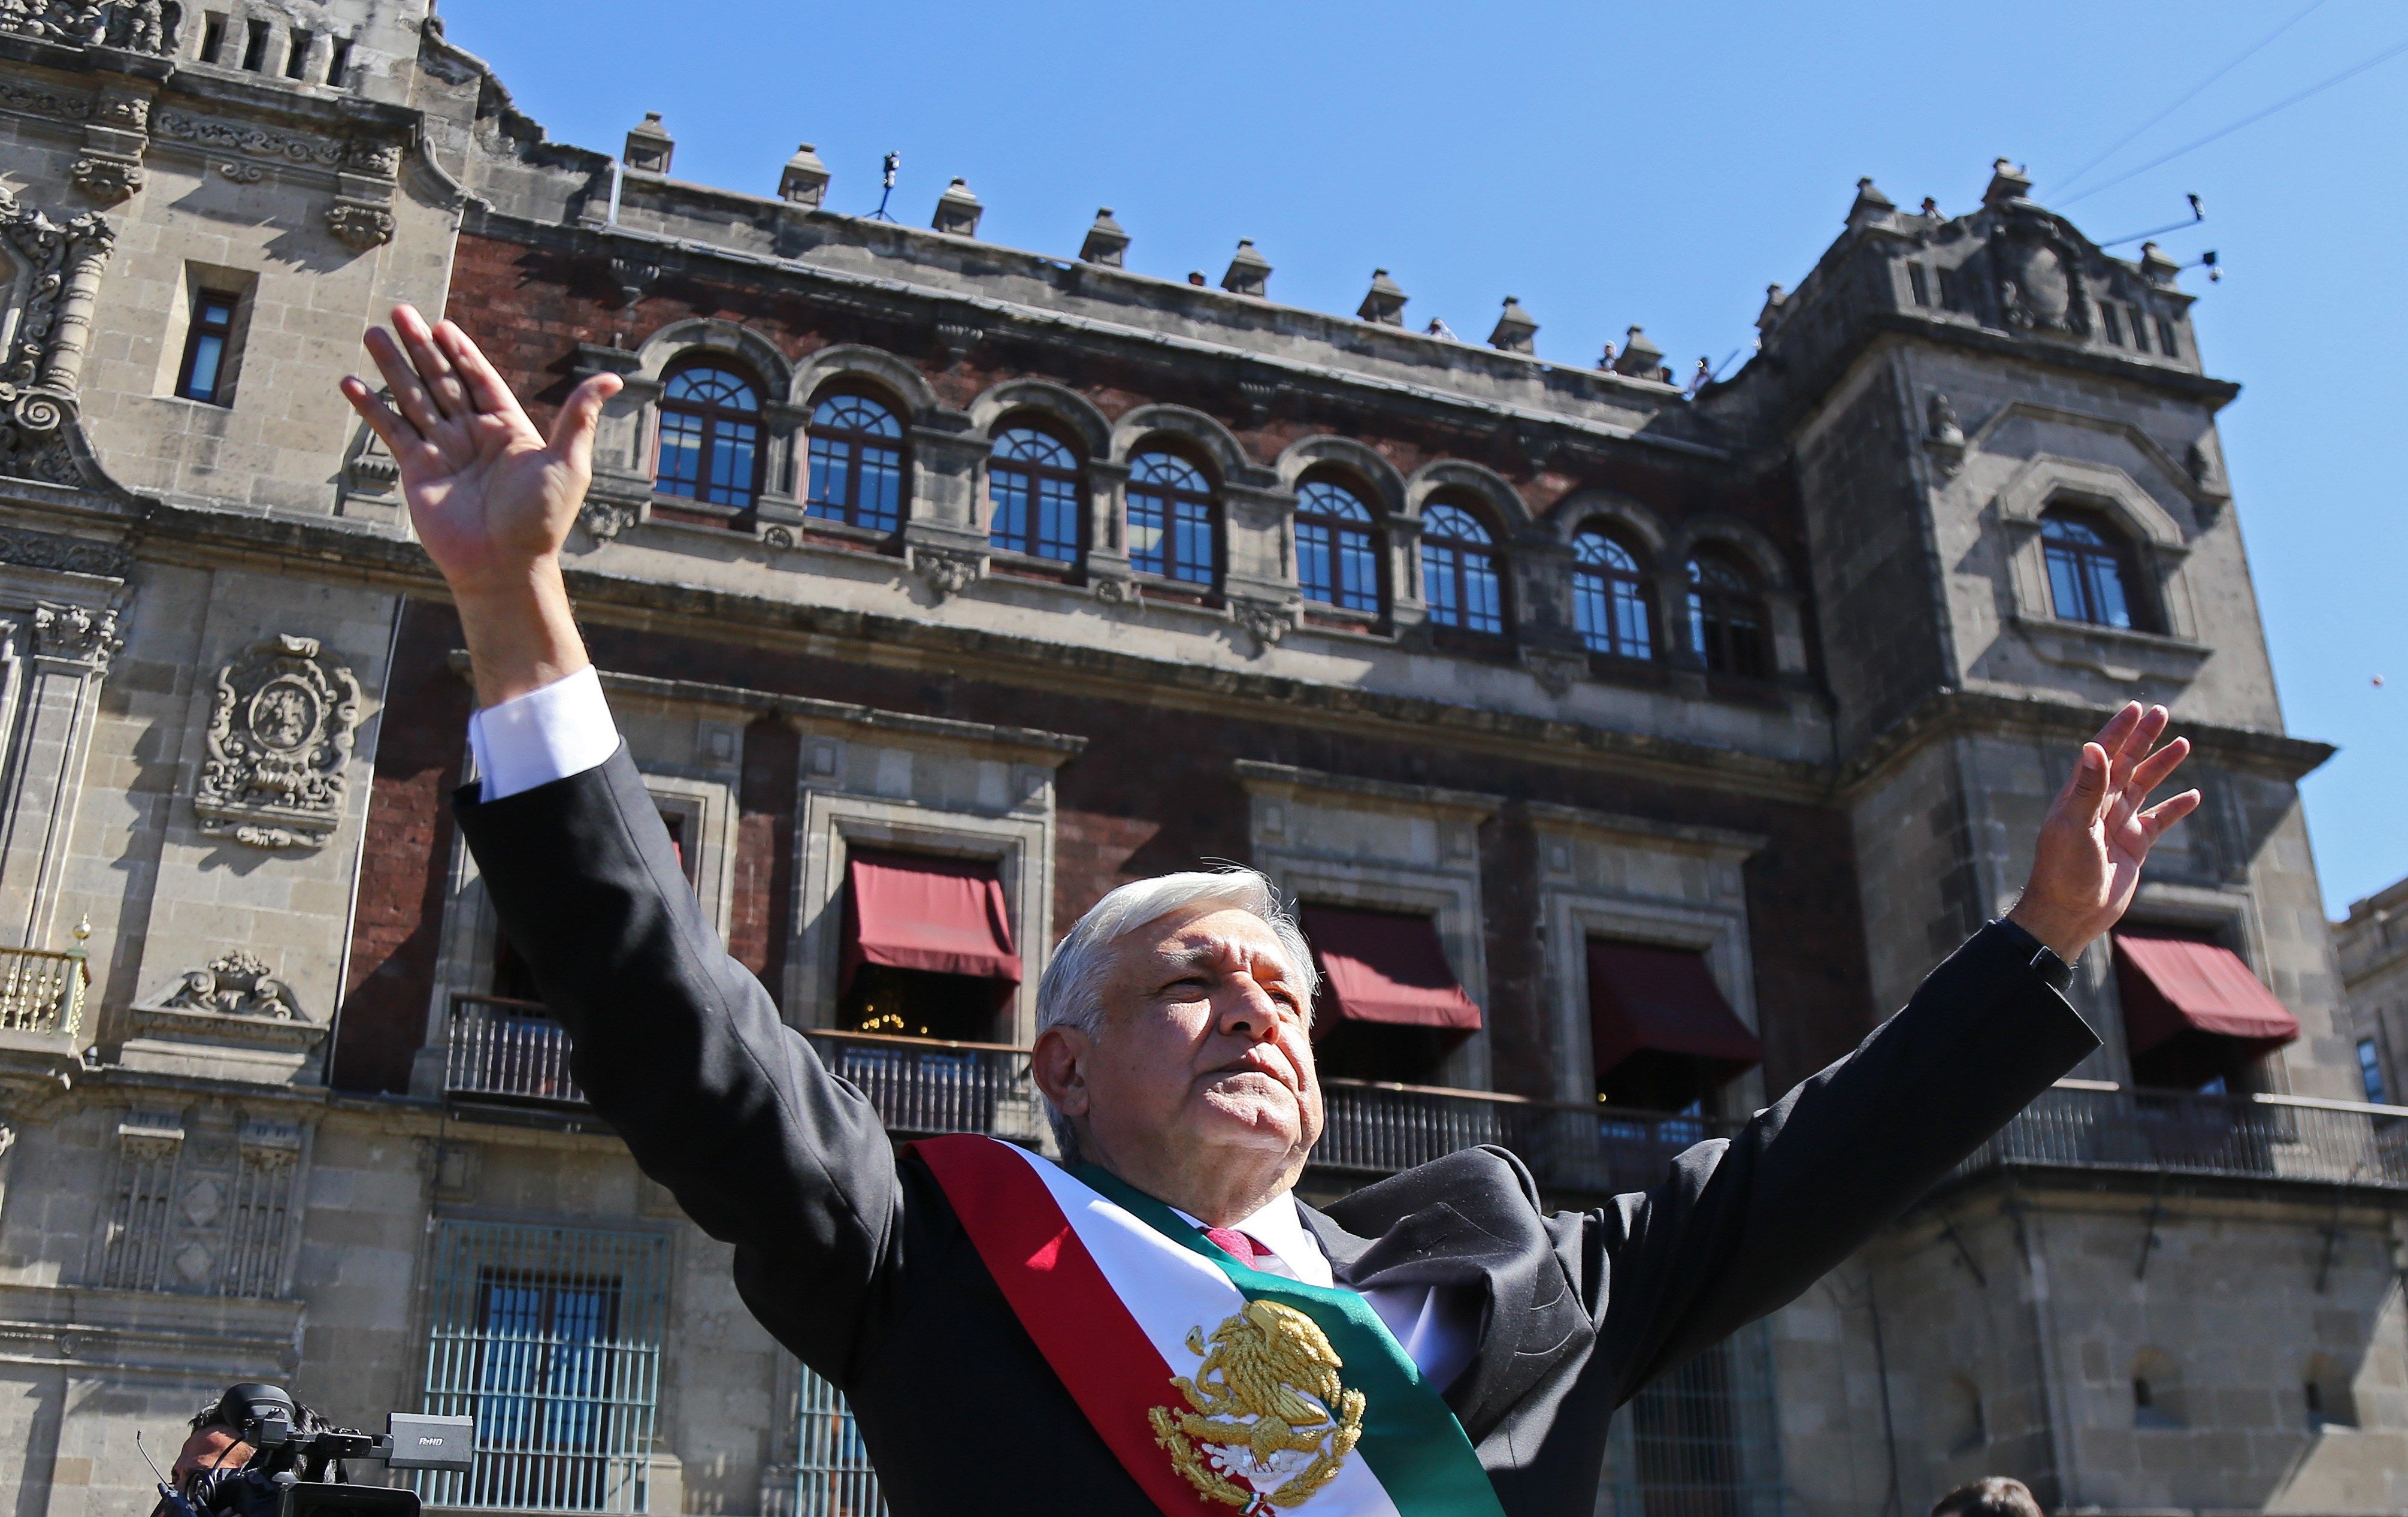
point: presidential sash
(1209, 1380)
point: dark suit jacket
(851, 1257)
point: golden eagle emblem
(1266, 1405)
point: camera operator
(219, 1474)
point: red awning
(1385, 966)
(2171, 986)
(908, 911)
(1643, 999)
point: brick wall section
(530, 308)
(764, 887)
(397, 928)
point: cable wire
(2245, 55)
(2346, 74)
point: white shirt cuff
(544, 735)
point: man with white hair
(1157, 1324)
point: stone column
(71, 649)
(90, 240)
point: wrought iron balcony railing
(501, 1050)
(513, 1051)
(2091, 1126)
(42, 991)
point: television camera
(297, 1471)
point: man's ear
(1058, 1064)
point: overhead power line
(2241, 57)
(2221, 132)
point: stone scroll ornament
(281, 736)
(136, 25)
(51, 302)
(236, 984)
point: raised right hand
(492, 497)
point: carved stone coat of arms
(281, 736)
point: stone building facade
(1644, 745)
(2371, 944)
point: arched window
(1032, 485)
(710, 437)
(1726, 618)
(856, 463)
(1461, 581)
(2089, 573)
(1608, 598)
(1170, 521)
(1336, 563)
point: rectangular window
(2166, 343)
(2370, 1072)
(208, 345)
(254, 48)
(296, 54)
(1703, 1440)
(833, 1475)
(213, 33)
(2111, 323)
(2139, 330)
(1921, 282)
(339, 63)
(551, 1338)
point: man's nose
(1247, 1010)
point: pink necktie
(1244, 1249)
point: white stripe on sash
(1167, 1290)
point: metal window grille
(1702, 1441)
(551, 1338)
(833, 1475)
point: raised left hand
(2096, 833)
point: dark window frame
(2077, 548)
(716, 426)
(1729, 620)
(1179, 505)
(203, 334)
(862, 453)
(1461, 564)
(1031, 495)
(1602, 592)
(1326, 533)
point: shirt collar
(1280, 1227)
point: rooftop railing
(41, 991)
(2092, 1125)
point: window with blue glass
(1171, 520)
(1461, 579)
(2090, 572)
(1726, 620)
(1032, 487)
(208, 344)
(856, 463)
(710, 437)
(551, 1338)
(1336, 562)
(2370, 1072)
(1610, 598)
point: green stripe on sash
(1411, 1439)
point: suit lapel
(1463, 1225)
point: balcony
(505, 1052)
(1376, 1128)
(41, 992)
(2088, 1125)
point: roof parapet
(1870, 207)
(805, 181)
(649, 146)
(1105, 243)
(1385, 303)
(1249, 272)
(958, 211)
(2008, 181)
(1515, 330)
(1639, 357)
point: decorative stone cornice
(76, 635)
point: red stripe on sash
(1104, 1360)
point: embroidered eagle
(1266, 1404)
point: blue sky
(1614, 163)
